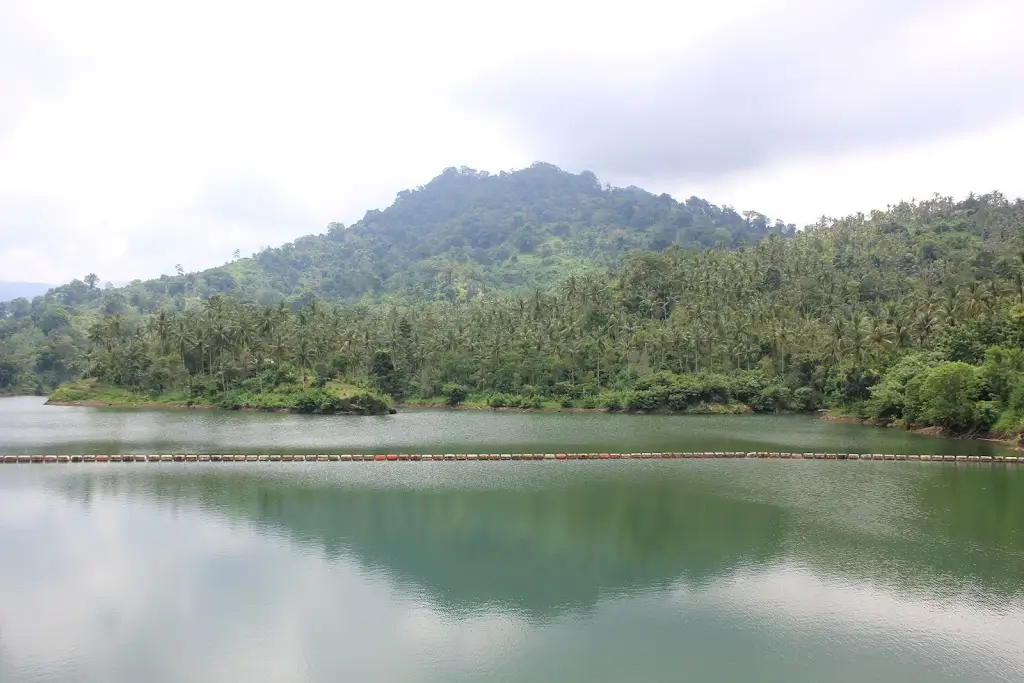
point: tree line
(913, 314)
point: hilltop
(463, 233)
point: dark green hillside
(463, 233)
(469, 231)
(466, 232)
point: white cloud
(801, 191)
(134, 136)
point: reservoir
(569, 571)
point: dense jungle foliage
(913, 314)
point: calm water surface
(27, 427)
(570, 572)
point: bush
(612, 402)
(454, 394)
(654, 380)
(204, 387)
(889, 397)
(806, 398)
(646, 400)
(986, 414)
(713, 388)
(680, 398)
(1012, 417)
(747, 387)
(772, 399)
(851, 384)
(312, 400)
(566, 390)
(367, 403)
(948, 395)
(499, 400)
(1001, 372)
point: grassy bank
(92, 392)
(333, 398)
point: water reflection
(27, 426)
(450, 571)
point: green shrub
(454, 394)
(850, 384)
(645, 400)
(1001, 372)
(204, 387)
(566, 390)
(772, 399)
(986, 414)
(806, 398)
(713, 388)
(311, 400)
(367, 403)
(746, 387)
(498, 400)
(612, 401)
(654, 380)
(1011, 419)
(889, 396)
(949, 394)
(680, 398)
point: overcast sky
(138, 135)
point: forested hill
(915, 313)
(468, 231)
(462, 233)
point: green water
(29, 427)
(569, 571)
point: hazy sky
(138, 135)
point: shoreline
(197, 406)
(991, 437)
(142, 405)
(726, 409)
(502, 457)
(926, 430)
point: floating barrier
(392, 457)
